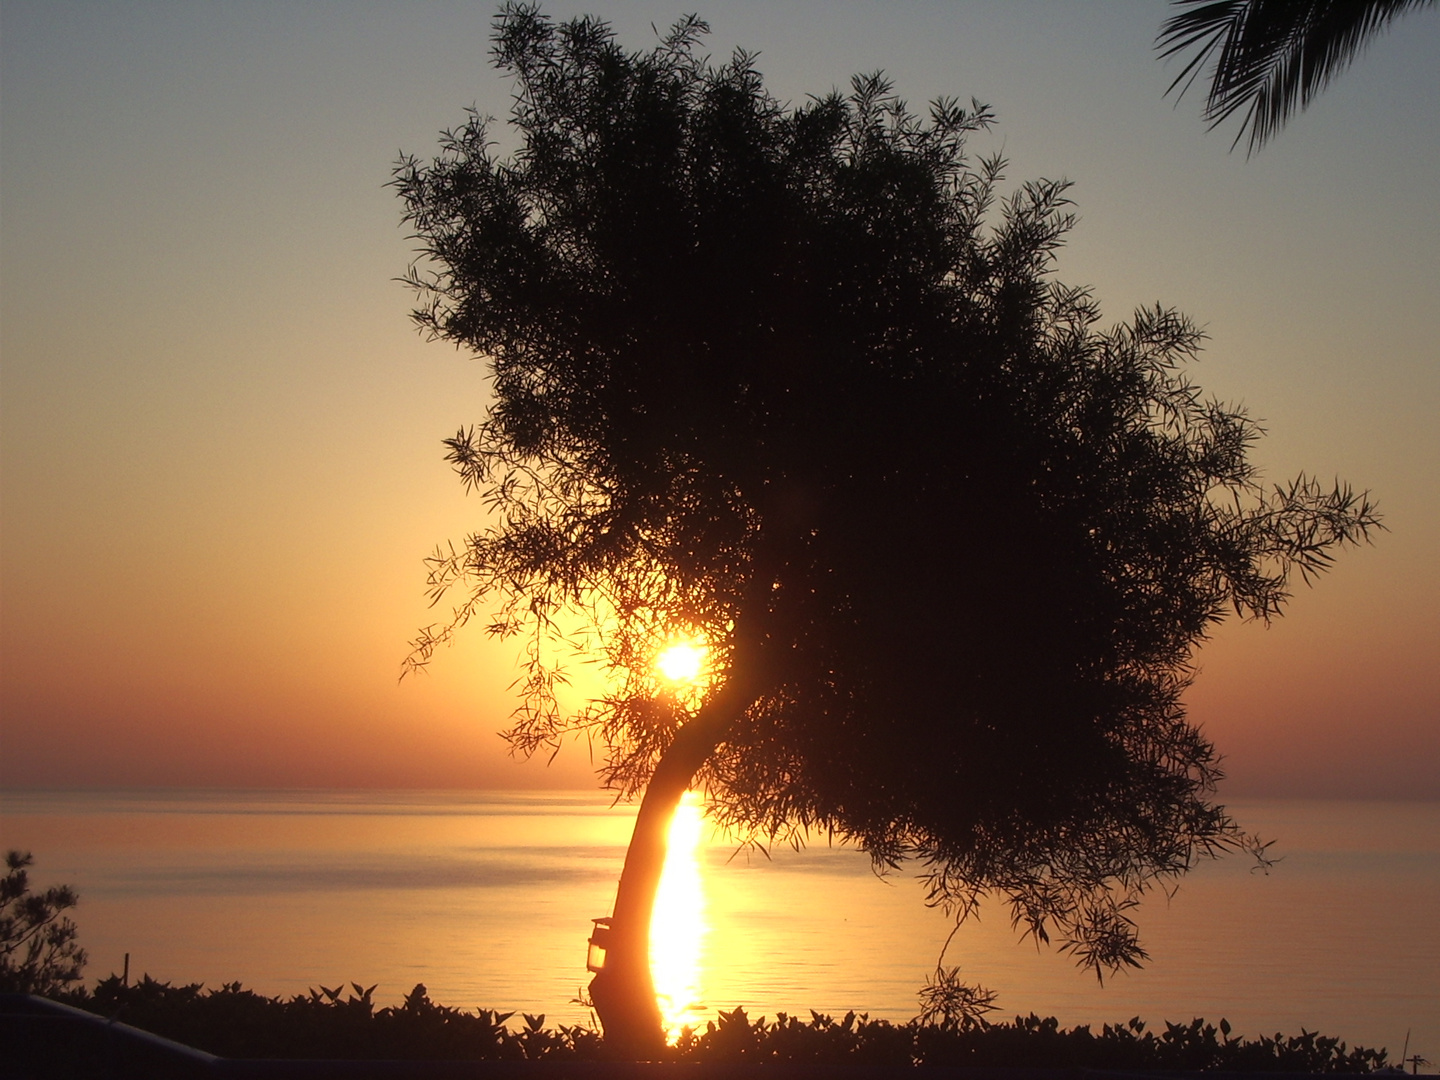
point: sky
(220, 457)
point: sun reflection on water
(678, 928)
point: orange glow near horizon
(678, 928)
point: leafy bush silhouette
(331, 1022)
(235, 1022)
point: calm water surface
(486, 898)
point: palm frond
(1271, 57)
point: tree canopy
(797, 382)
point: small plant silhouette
(39, 953)
(952, 1005)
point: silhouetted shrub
(1033, 1042)
(332, 1023)
(235, 1022)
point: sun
(681, 662)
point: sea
(487, 897)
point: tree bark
(623, 990)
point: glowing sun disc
(681, 662)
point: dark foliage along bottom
(234, 1022)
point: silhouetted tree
(778, 379)
(1271, 56)
(38, 950)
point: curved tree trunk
(623, 990)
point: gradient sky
(221, 435)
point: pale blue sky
(221, 458)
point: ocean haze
(486, 898)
